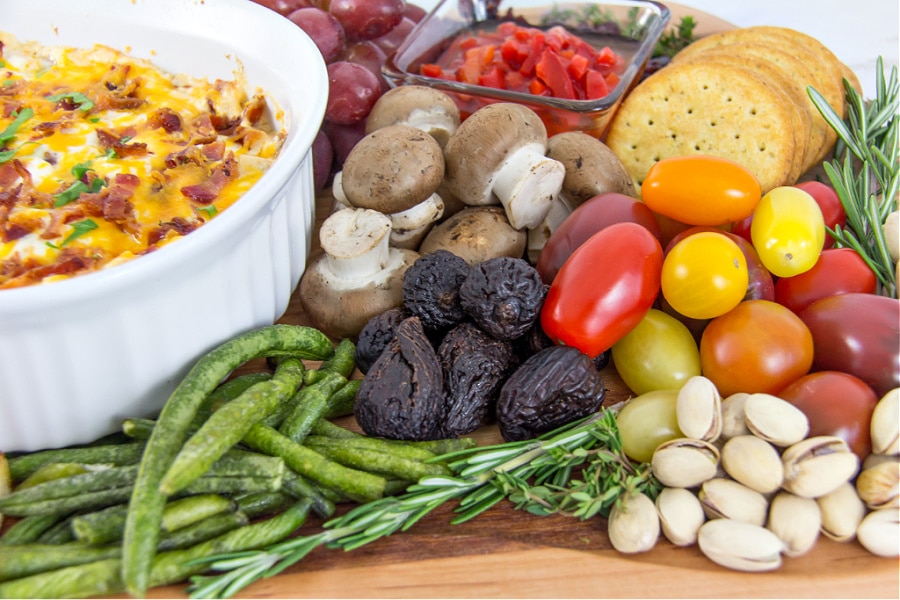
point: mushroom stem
(409, 226)
(356, 242)
(526, 185)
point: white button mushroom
(396, 170)
(498, 153)
(419, 106)
(357, 275)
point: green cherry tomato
(700, 190)
(659, 354)
(704, 275)
(788, 231)
(646, 421)
(604, 288)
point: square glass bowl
(641, 23)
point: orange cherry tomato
(701, 190)
(758, 346)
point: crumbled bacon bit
(222, 173)
(165, 119)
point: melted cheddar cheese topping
(105, 157)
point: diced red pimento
(554, 62)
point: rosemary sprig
(865, 171)
(537, 475)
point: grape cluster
(355, 37)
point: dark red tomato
(604, 289)
(587, 219)
(761, 285)
(758, 346)
(857, 334)
(829, 203)
(838, 271)
(836, 404)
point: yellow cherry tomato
(704, 275)
(701, 190)
(788, 231)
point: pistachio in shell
(633, 524)
(733, 420)
(754, 462)
(879, 484)
(680, 515)
(725, 498)
(885, 424)
(685, 462)
(698, 409)
(796, 521)
(740, 546)
(841, 512)
(879, 532)
(774, 419)
(818, 465)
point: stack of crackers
(741, 95)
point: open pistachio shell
(885, 424)
(726, 498)
(775, 420)
(841, 512)
(754, 462)
(698, 409)
(680, 515)
(818, 465)
(879, 532)
(739, 545)
(796, 521)
(685, 462)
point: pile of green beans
(232, 463)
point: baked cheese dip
(105, 157)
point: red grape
(343, 138)
(367, 54)
(322, 157)
(352, 92)
(414, 12)
(393, 38)
(324, 30)
(367, 19)
(285, 7)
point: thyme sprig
(576, 470)
(865, 170)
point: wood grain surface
(505, 553)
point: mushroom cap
(476, 233)
(420, 106)
(392, 169)
(481, 145)
(591, 167)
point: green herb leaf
(79, 228)
(77, 98)
(10, 132)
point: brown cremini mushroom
(499, 154)
(476, 233)
(357, 275)
(419, 106)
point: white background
(857, 31)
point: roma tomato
(587, 219)
(659, 354)
(838, 271)
(836, 404)
(704, 275)
(759, 346)
(647, 421)
(857, 334)
(829, 203)
(604, 289)
(700, 190)
(788, 231)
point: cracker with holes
(707, 107)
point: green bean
(342, 362)
(351, 483)
(28, 529)
(24, 465)
(100, 527)
(60, 533)
(105, 577)
(227, 425)
(342, 401)
(370, 444)
(30, 559)
(244, 463)
(147, 502)
(231, 389)
(326, 428)
(258, 504)
(56, 471)
(96, 480)
(310, 405)
(374, 461)
(186, 511)
(212, 484)
(137, 428)
(85, 501)
(298, 487)
(201, 531)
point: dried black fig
(375, 335)
(553, 387)
(475, 365)
(431, 289)
(503, 295)
(401, 396)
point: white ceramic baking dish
(77, 356)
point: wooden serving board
(506, 553)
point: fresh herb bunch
(539, 476)
(865, 171)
